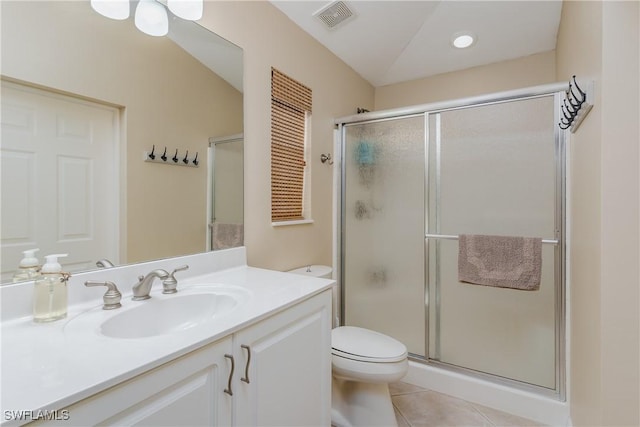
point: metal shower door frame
(557, 91)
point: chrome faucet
(143, 287)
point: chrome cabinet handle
(246, 368)
(233, 366)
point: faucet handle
(111, 298)
(104, 263)
(170, 284)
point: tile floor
(418, 407)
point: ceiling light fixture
(463, 39)
(114, 9)
(151, 16)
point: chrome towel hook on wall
(175, 160)
(575, 106)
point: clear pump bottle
(50, 291)
(28, 269)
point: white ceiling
(394, 41)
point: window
(290, 123)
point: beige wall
(599, 41)
(269, 39)
(513, 74)
(620, 209)
(67, 47)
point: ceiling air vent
(335, 14)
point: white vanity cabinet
(281, 377)
(285, 369)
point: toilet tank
(320, 271)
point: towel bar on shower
(454, 237)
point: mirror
(149, 93)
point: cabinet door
(288, 379)
(186, 391)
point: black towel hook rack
(575, 106)
(176, 160)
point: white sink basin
(192, 306)
(165, 316)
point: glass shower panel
(227, 186)
(494, 172)
(383, 226)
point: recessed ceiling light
(463, 39)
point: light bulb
(186, 9)
(151, 18)
(114, 9)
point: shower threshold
(515, 397)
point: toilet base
(355, 404)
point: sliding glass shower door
(383, 237)
(493, 171)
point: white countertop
(50, 366)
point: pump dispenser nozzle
(29, 259)
(51, 264)
(28, 268)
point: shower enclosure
(412, 181)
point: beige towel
(225, 235)
(505, 262)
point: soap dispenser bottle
(28, 269)
(50, 293)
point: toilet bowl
(363, 363)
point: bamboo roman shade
(290, 103)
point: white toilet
(363, 363)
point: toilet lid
(366, 345)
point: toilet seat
(359, 354)
(364, 345)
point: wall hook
(195, 159)
(567, 112)
(164, 155)
(583, 95)
(175, 157)
(186, 158)
(326, 158)
(151, 155)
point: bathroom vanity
(264, 360)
